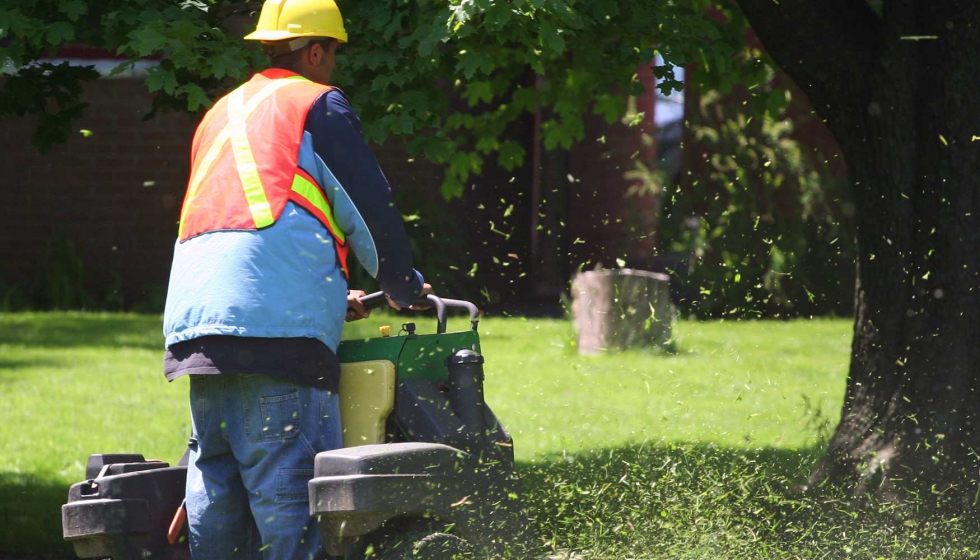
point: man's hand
(426, 290)
(356, 309)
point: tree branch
(827, 47)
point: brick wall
(607, 219)
(115, 193)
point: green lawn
(690, 454)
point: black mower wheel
(422, 545)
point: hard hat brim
(284, 35)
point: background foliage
(765, 228)
(451, 79)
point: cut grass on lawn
(691, 454)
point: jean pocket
(277, 418)
(292, 485)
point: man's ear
(315, 54)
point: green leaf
(478, 91)
(460, 121)
(549, 37)
(13, 22)
(525, 98)
(462, 163)
(511, 155)
(147, 41)
(437, 150)
(196, 97)
(227, 63)
(611, 107)
(486, 144)
(472, 61)
(59, 32)
(161, 79)
(452, 187)
(73, 8)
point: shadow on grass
(655, 500)
(73, 330)
(30, 517)
(34, 362)
(680, 501)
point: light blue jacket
(285, 280)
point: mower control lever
(472, 309)
(377, 299)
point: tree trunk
(909, 420)
(906, 110)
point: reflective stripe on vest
(306, 194)
(248, 171)
(311, 194)
(230, 163)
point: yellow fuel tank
(367, 397)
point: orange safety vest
(245, 160)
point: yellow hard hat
(281, 20)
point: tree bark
(905, 107)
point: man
(282, 186)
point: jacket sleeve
(363, 206)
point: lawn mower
(426, 471)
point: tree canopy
(449, 77)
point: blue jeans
(254, 440)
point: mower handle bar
(377, 299)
